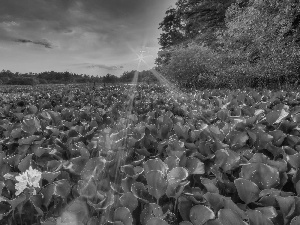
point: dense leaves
(160, 157)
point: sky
(93, 37)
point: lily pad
(229, 217)
(247, 190)
(157, 184)
(264, 176)
(200, 214)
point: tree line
(231, 43)
(51, 77)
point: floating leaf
(276, 116)
(195, 166)
(87, 188)
(229, 217)
(262, 175)
(200, 214)
(177, 173)
(294, 160)
(132, 171)
(239, 139)
(30, 125)
(155, 164)
(227, 159)
(257, 218)
(172, 161)
(129, 201)
(295, 220)
(126, 184)
(25, 163)
(262, 139)
(139, 190)
(50, 176)
(16, 201)
(229, 204)
(185, 223)
(36, 201)
(287, 205)
(184, 206)
(214, 200)
(156, 221)
(247, 190)
(210, 185)
(157, 184)
(123, 214)
(151, 210)
(76, 211)
(269, 212)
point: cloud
(99, 66)
(107, 31)
(44, 42)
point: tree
(263, 35)
(191, 20)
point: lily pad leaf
(129, 201)
(93, 167)
(157, 184)
(200, 214)
(16, 201)
(214, 200)
(264, 176)
(172, 161)
(87, 189)
(37, 201)
(185, 223)
(286, 204)
(50, 176)
(139, 190)
(195, 166)
(229, 217)
(274, 116)
(156, 221)
(294, 160)
(227, 159)
(247, 190)
(295, 220)
(239, 139)
(123, 214)
(150, 210)
(25, 163)
(30, 125)
(177, 173)
(155, 164)
(257, 218)
(269, 212)
(184, 207)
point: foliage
(242, 43)
(196, 66)
(10, 78)
(256, 35)
(195, 20)
(120, 155)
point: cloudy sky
(94, 37)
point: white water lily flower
(29, 179)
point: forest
(212, 44)
(231, 43)
(50, 77)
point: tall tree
(265, 33)
(191, 20)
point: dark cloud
(44, 43)
(106, 31)
(99, 66)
